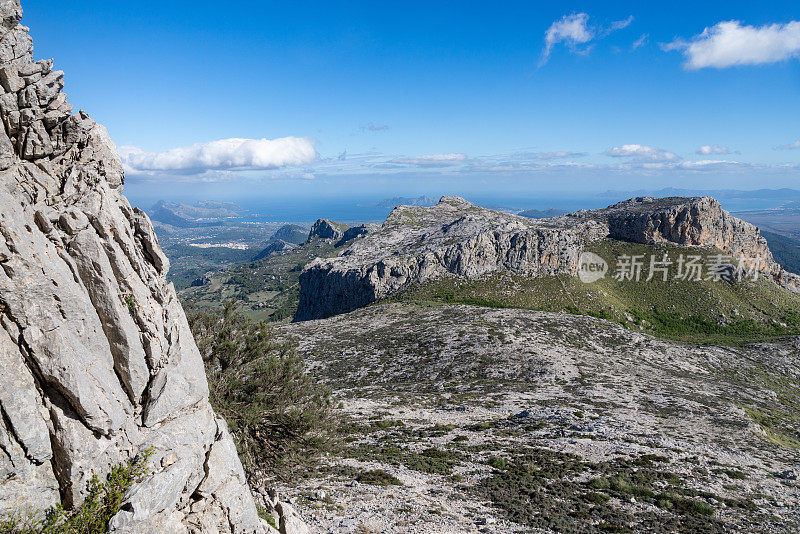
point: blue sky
(430, 97)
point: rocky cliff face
(98, 362)
(417, 243)
(327, 229)
(455, 237)
(697, 221)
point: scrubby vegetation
(431, 460)
(280, 418)
(699, 311)
(550, 490)
(378, 477)
(103, 501)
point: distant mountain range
(784, 194)
(202, 213)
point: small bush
(597, 498)
(281, 418)
(383, 424)
(266, 516)
(378, 477)
(600, 483)
(497, 462)
(102, 503)
(683, 505)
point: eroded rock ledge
(98, 362)
(459, 238)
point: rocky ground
(464, 419)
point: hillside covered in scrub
(472, 417)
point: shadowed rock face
(458, 238)
(327, 229)
(98, 362)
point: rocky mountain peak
(98, 360)
(456, 237)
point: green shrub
(597, 498)
(266, 516)
(497, 462)
(383, 424)
(102, 502)
(684, 505)
(280, 417)
(378, 477)
(600, 483)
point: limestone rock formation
(327, 229)
(458, 238)
(417, 243)
(699, 221)
(354, 232)
(98, 362)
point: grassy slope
(704, 311)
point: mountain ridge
(456, 237)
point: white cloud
(641, 153)
(570, 29)
(640, 42)
(707, 150)
(729, 43)
(620, 24)
(224, 154)
(790, 146)
(574, 30)
(711, 164)
(561, 154)
(432, 160)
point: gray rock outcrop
(354, 232)
(455, 236)
(458, 238)
(98, 362)
(698, 221)
(327, 229)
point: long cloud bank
(223, 154)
